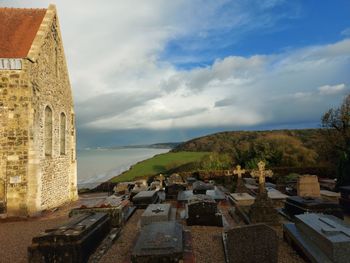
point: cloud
(123, 79)
(331, 90)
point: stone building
(37, 126)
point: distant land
(165, 145)
(303, 150)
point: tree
(337, 123)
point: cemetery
(221, 209)
(204, 223)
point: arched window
(48, 131)
(63, 134)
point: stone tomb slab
(145, 198)
(242, 199)
(159, 242)
(250, 244)
(322, 238)
(155, 213)
(296, 205)
(330, 195)
(72, 242)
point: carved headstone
(252, 243)
(308, 186)
(203, 210)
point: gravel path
(16, 236)
(120, 252)
(207, 244)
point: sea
(96, 166)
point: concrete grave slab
(159, 242)
(155, 213)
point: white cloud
(331, 90)
(119, 81)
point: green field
(159, 164)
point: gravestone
(159, 242)
(155, 213)
(344, 199)
(122, 188)
(200, 187)
(242, 199)
(296, 205)
(118, 208)
(262, 211)
(172, 190)
(330, 195)
(308, 186)
(216, 194)
(322, 238)
(73, 242)
(250, 244)
(145, 198)
(240, 187)
(175, 179)
(138, 187)
(190, 180)
(203, 210)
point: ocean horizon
(96, 166)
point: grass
(158, 164)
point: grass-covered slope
(159, 164)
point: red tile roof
(18, 28)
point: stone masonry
(37, 155)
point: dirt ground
(16, 236)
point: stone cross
(239, 171)
(261, 173)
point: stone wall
(30, 180)
(51, 87)
(14, 108)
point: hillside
(160, 163)
(291, 148)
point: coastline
(96, 166)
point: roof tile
(18, 28)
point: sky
(147, 71)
